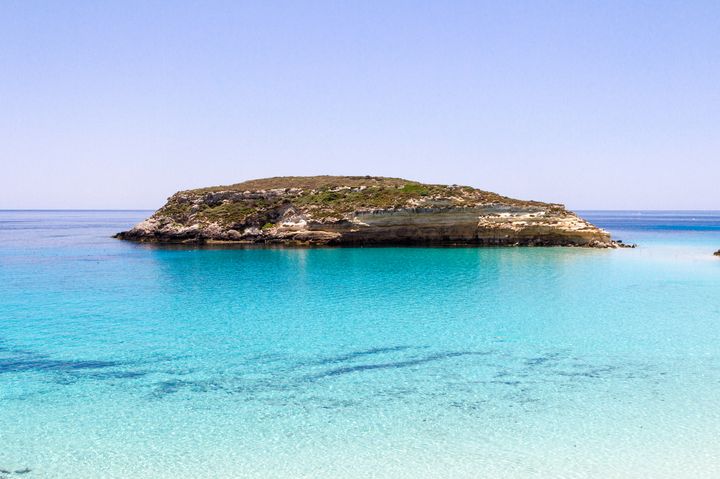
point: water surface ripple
(120, 360)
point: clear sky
(595, 104)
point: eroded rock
(341, 210)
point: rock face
(361, 210)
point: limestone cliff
(361, 210)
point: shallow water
(120, 360)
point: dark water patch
(339, 403)
(8, 473)
(265, 359)
(506, 383)
(7, 349)
(51, 365)
(60, 372)
(229, 383)
(523, 398)
(178, 371)
(590, 372)
(496, 378)
(534, 383)
(543, 360)
(172, 386)
(475, 405)
(395, 364)
(361, 354)
(109, 375)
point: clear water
(120, 360)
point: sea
(129, 361)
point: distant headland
(361, 210)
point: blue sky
(593, 104)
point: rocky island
(361, 210)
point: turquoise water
(120, 360)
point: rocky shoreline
(361, 211)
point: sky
(594, 104)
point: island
(361, 211)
